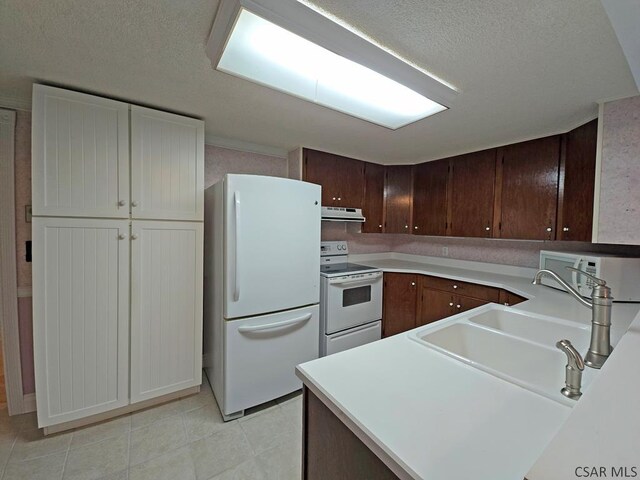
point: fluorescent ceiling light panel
(257, 49)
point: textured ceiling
(524, 69)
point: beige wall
(619, 205)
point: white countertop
(429, 416)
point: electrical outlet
(27, 213)
(445, 251)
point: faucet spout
(537, 280)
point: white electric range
(350, 300)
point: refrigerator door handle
(271, 326)
(236, 259)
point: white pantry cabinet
(166, 307)
(81, 316)
(117, 293)
(167, 165)
(80, 154)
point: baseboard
(29, 403)
(100, 417)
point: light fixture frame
(315, 27)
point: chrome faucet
(573, 370)
(601, 300)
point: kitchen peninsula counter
(429, 416)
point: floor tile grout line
(13, 444)
(66, 458)
(96, 441)
(183, 444)
(128, 453)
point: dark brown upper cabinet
(527, 189)
(341, 178)
(472, 194)
(373, 205)
(430, 194)
(398, 194)
(577, 182)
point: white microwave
(622, 274)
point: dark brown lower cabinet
(333, 452)
(399, 303)
(434, 305)
(508, 298)
(467, 303)
(411, 300)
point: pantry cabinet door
(166, 307)
(167, 166)
(80, 154)
(80, 317)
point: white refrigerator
(262, 287)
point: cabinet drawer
(462, 288)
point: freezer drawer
(351, 338)
(261, 354)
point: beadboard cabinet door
(166, 307)
(80, 147)
(81, 317)
(167, 166)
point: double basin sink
(515, 346)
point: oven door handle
(364, 281)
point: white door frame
(8, 274)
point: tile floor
(185, 439)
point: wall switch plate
(27, 213)
(445, 251)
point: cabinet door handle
(549, 229)
(379, 226)
(415, 228)
(458, 306)
(134, 236)
(455, 287)
(334, 198)
(565, 229)
(122, 236)
(451, 304)
(122, 203)
(134, 204)
(339, 198)
(413, 284)
(406, 226)
(487, 228)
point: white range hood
(342, 214)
